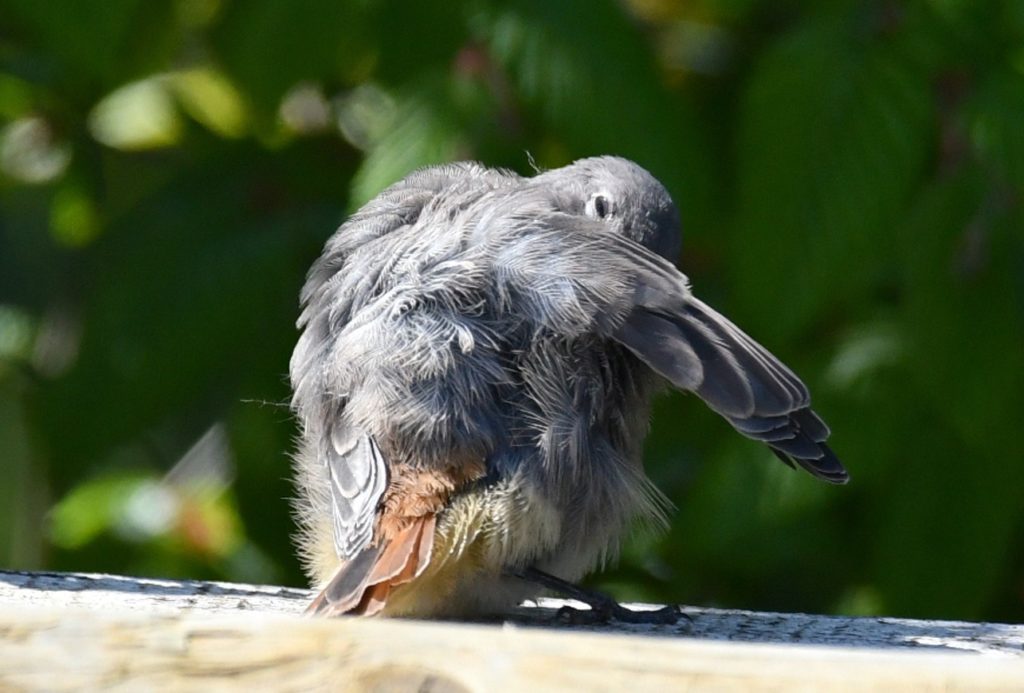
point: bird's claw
(607, 612)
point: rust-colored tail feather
(363, 584)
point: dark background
(850, 176)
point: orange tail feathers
(362, 585)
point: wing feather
(352, 471)
(358, 476)
(699, 350)
(759, 395)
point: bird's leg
(602, 607)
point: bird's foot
(613, 611)
(603, 609)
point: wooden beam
(74, 632)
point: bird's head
(621, 194)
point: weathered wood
(75, 632)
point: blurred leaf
(869, 349)
(195, 298)
(74, 220)
(92, 508)
(209, 525)
(972, 30)
(959, 488)
(996, 124)
(400, 29)
(964, 250)
(834, 136)
(425, 129)
(140, 115)
(942, 534)
(23, 493)
(211, 99)
(587, 75)
(30, 151)
(17, 333)
(365, 115)
(260, 431)
(98, 42)
(270, 46)
(15, 97)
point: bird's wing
(698, 349)
(351, 323)
(357, 474)
(579, 277)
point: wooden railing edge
(82, 631)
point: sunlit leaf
(92, 508)
(871, 348)
(140, 115)
(211, 99)
(17, 332)
(31, 152)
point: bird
(472, 383)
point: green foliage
(832, 140)
(850, 175)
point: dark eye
(599, 206)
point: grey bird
(473, 379)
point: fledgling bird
(473, 380)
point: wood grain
(85, 632)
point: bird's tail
(362, 585)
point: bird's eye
(599, 206)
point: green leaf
(963, 248)
(107, 41)
(416, 36)
(92, 508)
(23, 492)
(270, 46)
(950, 497)
(996, 125)
(426, 128)
(833, 137)
(586, 76)
(190, 302)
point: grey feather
(469, 309)
(758, 394)
(358, 477)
